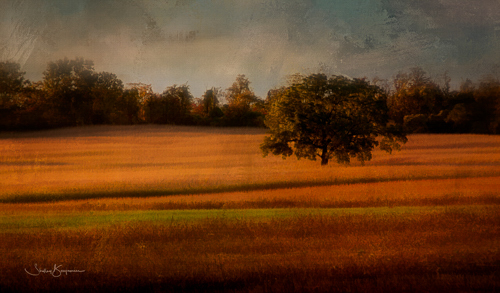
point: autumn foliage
(73, 94)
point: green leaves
(316, 116)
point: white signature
(56, 272)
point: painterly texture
(193, 209)
(207, 43)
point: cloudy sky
(208, 42)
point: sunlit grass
(162, 208)
(482, 190)
(138, 161)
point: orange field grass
(168, 209)
(142, 161)
(476, 190)
(454, 250)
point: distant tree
(34, 111)
(128, 108)
(12, 84)
(239, 93)
(156, 109)
(242, 104)
(146, 98)
(211, 101)
(176, 102)
(316, 116)
(69, 84)
(475, 107)
(415, 93)
(107, 91)
(383, 84)
(487, 97)
(206, 110)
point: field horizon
(178, 208)
(150, 161)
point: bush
(416, 123)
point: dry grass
(482, 190)
(138, 161)
(457, 249)
(427, 217)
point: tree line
(72, 93)
(422, 105)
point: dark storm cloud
(207, 43)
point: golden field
(164, 208)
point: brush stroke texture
(208, 42)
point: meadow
(170, 208)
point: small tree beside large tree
(324, 117)
(243, 104)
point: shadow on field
(32, 163)
(141, 193)
(411, 162)
(453, 145)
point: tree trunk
(324, 157)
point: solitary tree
(316, 116)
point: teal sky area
(208, 43)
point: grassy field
(163, 208)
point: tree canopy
(11, 82)
(243, 108)
(177, 101)
(324, 117)
(240, 93)
(207, 108)
(415, 93)
(72, 93)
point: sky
(207, 43)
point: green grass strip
(29, 222)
